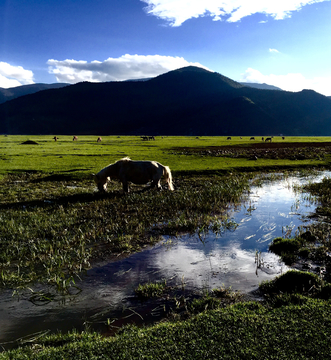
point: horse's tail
(168, 177)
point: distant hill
(187, 101)
(261, 86)
(143, 79)
(15, 92)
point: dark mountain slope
(297, 113)
(15, 92)
(261, 86)
(188, 101)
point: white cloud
(12, 76)
(273, 51)
(178, 11)
(115, 69)
(289, 82)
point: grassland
(53, 224)
(87, 155)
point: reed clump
(151, 290)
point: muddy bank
(262, 150)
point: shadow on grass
(62, 200)
(71, 199)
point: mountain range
(187, 101)
(15, 92)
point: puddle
(192, 262)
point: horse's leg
(125, 186)
(156, 182)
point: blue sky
(286, 43)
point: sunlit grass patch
(150, 290)
(293, 281)
(288, 249)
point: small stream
(193, 263)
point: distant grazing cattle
(283, 137)
(151, 138)
(228, 138)
(99, 139)
(75, 138)
(268, 139)
(55, 138)
(252, 138)
(262, 138)
(144, 138)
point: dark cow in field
(268, 139)
(228, 138)
(147, 138)
(99, 139)
(252, 138)
(55, 138)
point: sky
(286, 43)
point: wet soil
(263, 150)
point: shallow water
(193, 263)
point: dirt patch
(270, 150)
(29, 142)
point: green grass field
(88, 156)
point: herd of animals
(144, 138)
(263, 139)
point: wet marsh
(53, 231)
(56, 230)
(224, 247)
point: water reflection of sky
(198, 262)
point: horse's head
(100, 182)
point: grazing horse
(75, 138)
(137, 172)
(228, 138)
(55, 138)
(252, 138)
(268, 139)
(99, 139)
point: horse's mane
(116, 164)
(125, 159)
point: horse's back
(140, 172)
